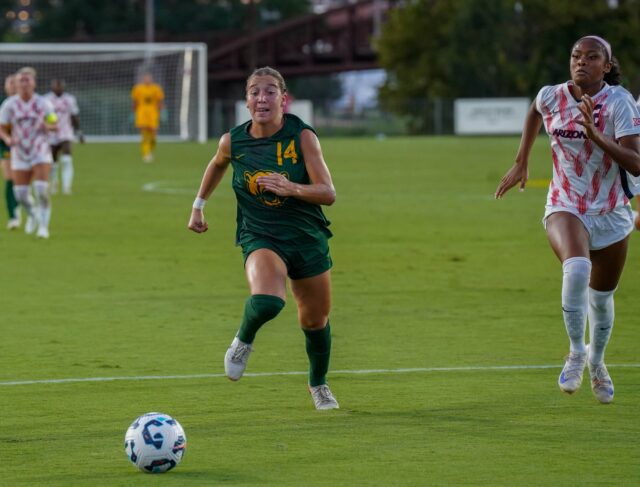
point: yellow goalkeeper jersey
(147, 99)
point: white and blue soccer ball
(155, 443)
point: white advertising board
(474, 116)
(301, 108)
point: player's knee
(41, 189)
(600, 301)
(21, 192)
(264, 307)
(313, 321)
(575, 281)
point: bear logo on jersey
(265, 197)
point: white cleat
(148, 158)
(13, 224)
(43, 232)
(30, 225)
(235, 360)
(601, 383)
(323, 398)
(571, 376)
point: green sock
(258, 309)
(319, 351)
(12, 203)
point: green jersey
(264, 213)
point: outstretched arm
(320, 191)
(212, 176)
(519, 172)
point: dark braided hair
(614, 76)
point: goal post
(101, 77)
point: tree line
(435, 49)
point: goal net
(101, 77)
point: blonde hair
(29, 71)
(268, 71)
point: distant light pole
(149, 21)
(149, 31)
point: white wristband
(198, 204)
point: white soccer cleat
(323, 398)
(148, 158)
(30, 225)
(571, 376)
(235, 360)
(13, 224)
(601, 383)
(42, 232)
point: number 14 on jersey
(289, 153)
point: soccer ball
(155, 443)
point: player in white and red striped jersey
(636, 213)
(594, 130)
(30, 117)
(66, 107)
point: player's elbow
(331, 196)
(634, 170)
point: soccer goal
(101, 77)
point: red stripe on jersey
(582, 204)
(562, 103)
(555, 194)
(595, 185)
(613, 198)
(566, 185)
(607, 162)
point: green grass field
(430, 273)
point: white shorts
(20, 165)
(604, 230)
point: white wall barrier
(479, 116)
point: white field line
(471, 368)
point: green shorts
(303, 260)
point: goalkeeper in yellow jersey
(148, 103)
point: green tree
(489, 48)
(61, 19)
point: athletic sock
(41, 189)
(12, 203)
(145, 145)
(318, 344)
(53, 175)
(258, 309)
(601, 315)
(66, 170)
(575, 282)
(23, 196)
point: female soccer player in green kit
(280, 180)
